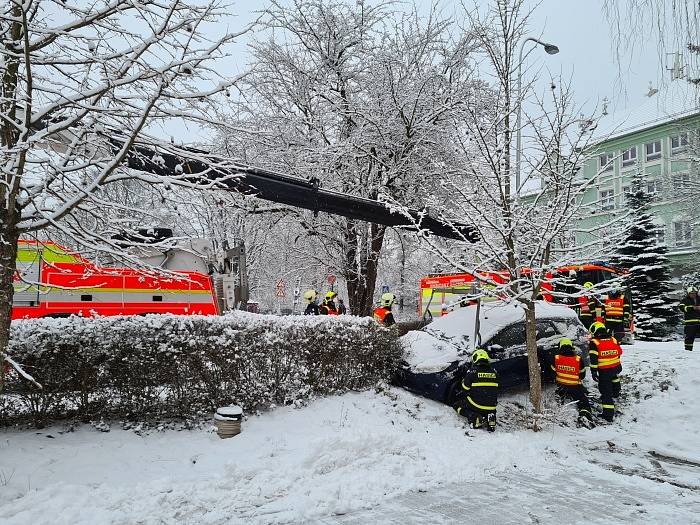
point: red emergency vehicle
(437, 292)
(53, 282)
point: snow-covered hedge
(182, 366)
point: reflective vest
(615, 308)
(380, 314)
(328, 309)
(608, 353)
(583, 306)
(567, 368)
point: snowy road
(561, 498)
(380, 457)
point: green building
(660, 140)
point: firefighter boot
(476, 421)
(491, 422)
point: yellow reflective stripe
(616, 380)
(688, 321)
(566, 381)
(53, 254)
(594, 366)
(459, 410)
(27, 256)
(482, 407)
(608, 406)
(485, 384)
(606, 362)
(125, 290)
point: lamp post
(551, 49)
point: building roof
(677, 100)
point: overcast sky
(577, 27)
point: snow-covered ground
(380, 456)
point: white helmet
(310, 296)
(692, 289)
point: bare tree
(80, 85)
(674, 26)
(525, 235)
(355, 96)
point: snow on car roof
(445, 339)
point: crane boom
(203, 167)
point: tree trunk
(361, 265)
(8, 265)
(533, 363)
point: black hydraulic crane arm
(202, 167)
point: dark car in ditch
(437, 357)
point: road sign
(385, 288)
(280, 288)
(331, 279)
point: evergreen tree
(655, 314)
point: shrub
(168, 366)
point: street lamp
(551, 49)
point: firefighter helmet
(588, 284)
(388, 299)
(330, 295)
(597, 328)
(480, 356)
(692, 289)
(310, 296)
(565, 343)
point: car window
(513, 335)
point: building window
(655, 190)
(679, 143)
(683, 234)
(626, 192)
(605, 161)
(681, 181)
(606, 198)
(659, 234)
(629, 157)
(653, 150)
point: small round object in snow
(233, 412)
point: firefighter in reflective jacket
(569, 376)
(478, 397)
(310, 299)
(617, 314)
(589, 308)
(605, 353)
(382, 314)
(690, 306)
(328, 307)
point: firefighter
(605, 352)
(587, 305)
(382, 314)
(690, 306)
(617, 313)
(478, 397)
(311, 305)
(328, 307)
(569, 374)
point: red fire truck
(51, 281)
(439, 292)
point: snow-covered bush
(182, 366)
